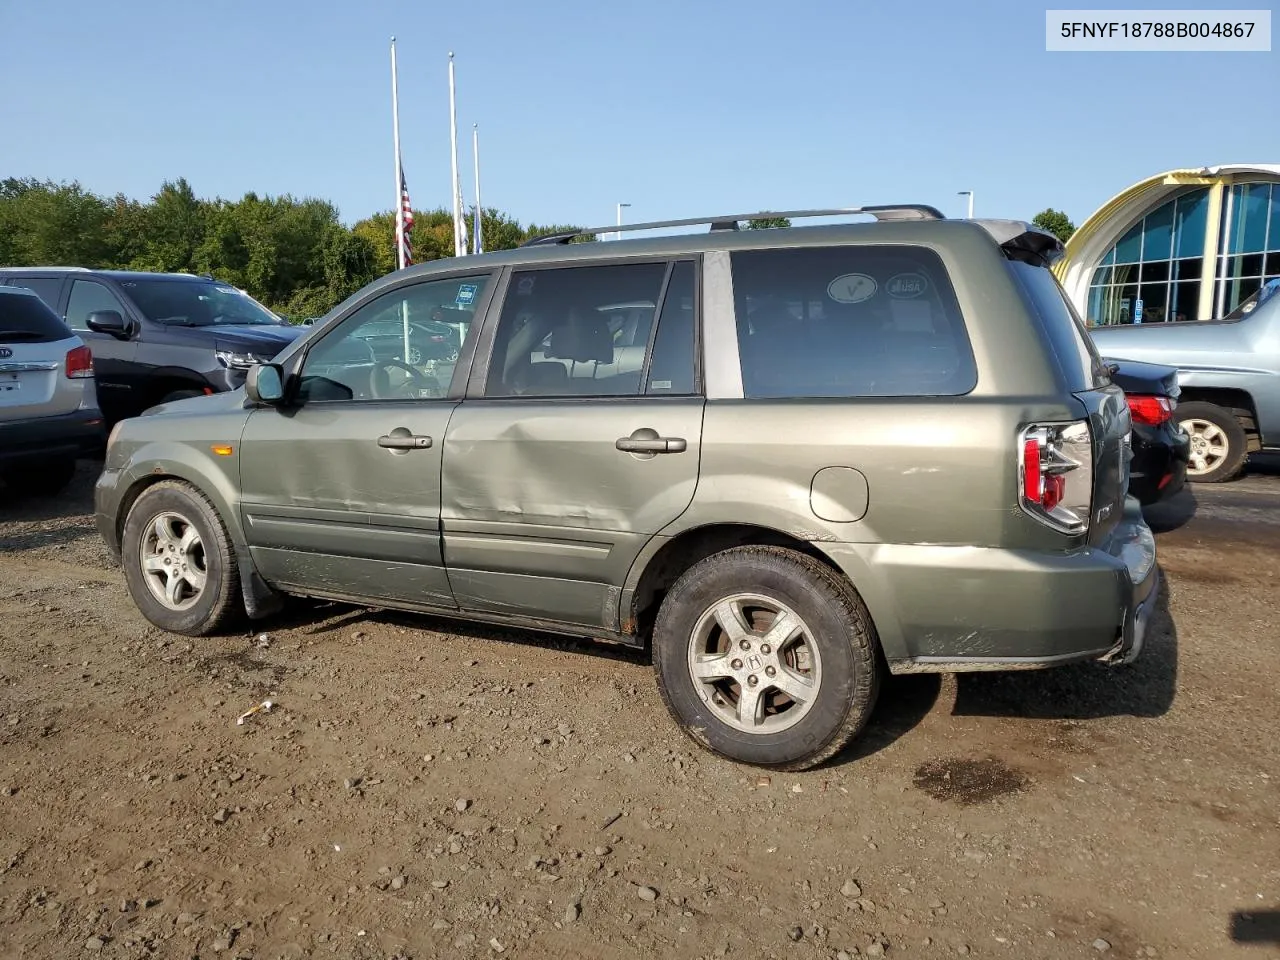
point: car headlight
(234, 360)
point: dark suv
(785, 460)
(157, 336)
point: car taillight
(1055, 475)
(1151, 411)
(79, 363)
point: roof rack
(901, 211)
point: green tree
(1055, 222)
(768, 223)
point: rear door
(1086, 377)
(33, 346)
(561, 463)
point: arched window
(1252, 242)
(1153, 272)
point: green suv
(785, 460)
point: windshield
(194, 303)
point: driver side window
(402, 345)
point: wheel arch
(1238, 402)
(665, 559)
(260, 599)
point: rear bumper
(45, 438)
(1159, 467)
(949, 609)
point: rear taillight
(1151, 411)
(1055, 475)
(79, 363)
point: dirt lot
(425, 789)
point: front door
(114, 359)
(563, 461)
(341, 487)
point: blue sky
(679, 108)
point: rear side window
(27, 319)
(1065, 331)
(47, 288)
(851, 321)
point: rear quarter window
(25, 318)
(849, 321)
(1077, 355)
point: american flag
(406, 210)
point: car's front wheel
(767, 656)
(179, 563)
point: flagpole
(395, 135)
(458, 249)
(475, 154)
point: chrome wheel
(754, 662)
(1209, 446)
(173, 562)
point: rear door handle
(404, 441)
(655, 445)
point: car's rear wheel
(43, 478)
(176, 395)
(179, 563)
(1218, 442)
(767, 656)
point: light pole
(618, 235)
(969, 194)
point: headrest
(582, 339)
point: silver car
(49, 412)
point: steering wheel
(411, 388)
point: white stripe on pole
(395, 135)
(477, 245)
(459, 248)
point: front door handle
(404, 441)
(651, 445)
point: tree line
(294, 255)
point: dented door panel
(543, 514)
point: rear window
(25, 318)
(851, 321)
(1077, 355)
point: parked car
(1229, 374)
(48, 405)
(916, 464)
(1161, 448)
(158, 337)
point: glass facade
(1153, 273)
(1251, 243)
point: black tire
(220, 598)
(1229, 467)
(43, 478)
(835, 618)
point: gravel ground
(425, 789)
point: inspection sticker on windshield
(851, 288)
(906, 286)
(466, 294)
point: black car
(158, 337)
(1161, 448)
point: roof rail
(40, 267)
(900, 211)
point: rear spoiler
(1024, 241)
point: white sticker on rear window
(851, 288)
(906, 286)
(231, 290)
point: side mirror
(265, 383)
(109, 322)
